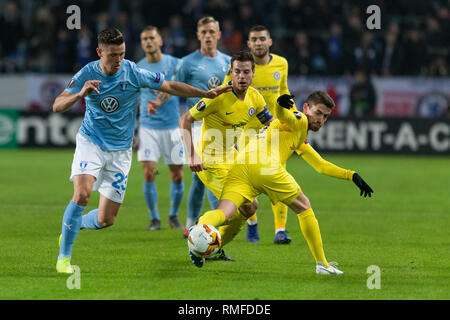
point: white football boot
(320, 268)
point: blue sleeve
(76, 84)
(148, 79)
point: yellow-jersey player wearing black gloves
(270, 79)
(260, 169)
(222, 125)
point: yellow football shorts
(246, 181)
(214, 179)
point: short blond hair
(206, 20)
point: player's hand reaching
(218, 91)
(89, 87)
(286, 101)
(152, 107)
(195, 164)
(362, 185)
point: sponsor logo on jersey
(213, 82)
(109, 104)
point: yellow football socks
(213, 217)
(232, 228)
(280, 215)
(311, 232)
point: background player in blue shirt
(102, 159)
(159, 135)
(204, 69)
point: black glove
(362, 185)
(286, 101)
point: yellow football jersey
(275, 143)
(223, 120)
(271, 81)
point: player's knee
(249, 210)
(300, 204)
(81, 197)
(106, 221)
(177, 177)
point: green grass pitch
(403, 229)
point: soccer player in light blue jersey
(159, 135)
(102, 159)
(204, 69)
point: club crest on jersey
(297, 114)
(251, 112)
(83, 165)
(201, 105)
(109, 104)
(123, 85)
(276, 75)
(213, 82)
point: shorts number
(121, 182)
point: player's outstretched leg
(69, 230)
(310, 230)
(280, 216)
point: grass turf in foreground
(403, 230)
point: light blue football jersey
(168, 114)
(202, 72)
(110, 116)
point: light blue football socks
(213, 201)
(176, 195)
(195, 200)
(90, 221)
(151, 199)
(70, 227)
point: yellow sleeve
(227, 75)
(203, 108)
(294, 120)
(321, 165)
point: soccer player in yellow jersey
(222, 125)
(266, 174)
(271, 73)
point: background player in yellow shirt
(222, 125)
(268, 175)
(271, 73)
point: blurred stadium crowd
(318, 37)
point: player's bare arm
(66, 100)
(184, 90)
(185, 123)
(161, 99)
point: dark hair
(243, 56)
(258, 28)
(320, 97)
(151, 28)
(110, 36)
